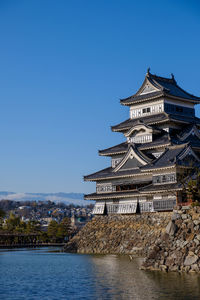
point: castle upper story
(159, 102)
(159, 94)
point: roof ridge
(165, 87)
(154, 76)
(170, 80)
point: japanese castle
(162, 138)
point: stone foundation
(120, 234)
(178, 249)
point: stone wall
(178, 249)
(120, 234)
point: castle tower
(162, 139)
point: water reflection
(42, 274)
(121, 278)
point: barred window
(164, 178)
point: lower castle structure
(162, 143)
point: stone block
(174, 268)
(163, 268)
(171, 228)
(186, 207)
(195, 268)
(175, 216)
(190, 259)
(196, 222)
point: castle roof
(117, 149)
(155, 87)
(159, 141)
(156, 119)
(120, 194)
(109, 174)
(174, 152)
(171, 157)
(159, 188)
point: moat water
(49, 275)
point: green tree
(190, 181)
(59, 232)
(194, 187)
(33, 227)
(52, 230)
(64, 229)
(12, 223)
(2, 215)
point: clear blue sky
(64, 65)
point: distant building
(47, 220)
(162, 140)
(73, 221)
(24, 207)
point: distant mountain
(67, 198)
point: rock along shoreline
(169, 241)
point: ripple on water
(42, 274)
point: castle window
(164, 178)
(104, 188)
(156, 179)
(136, 113)
(144, 110)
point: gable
(189, 161)
(188, 157)
(192, 132)
(134, 155)
(148, 88)
(131, 163)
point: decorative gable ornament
(148, 88)
(131, 154)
